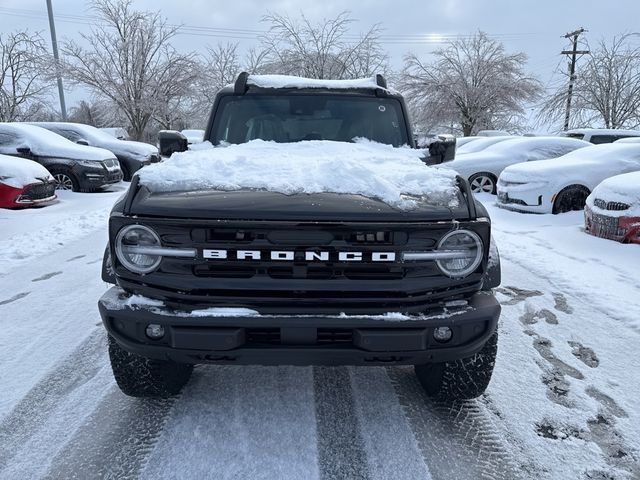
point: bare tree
(23, 74)
(606, 89)
(472, 84)
(322, 50)
(130, 61)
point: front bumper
(523, 201)
(97, 177)
(619, 228)
(210, 336)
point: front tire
(483, 182)
(570, 198)
(65, 180)
(139, 376)
(461, 379)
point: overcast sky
(533, 27)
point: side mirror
(82, 141)
(23, 150)
(171, 141)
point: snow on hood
(287, 81)
(43, 142)
(364, 168)
(621, 188)
(591, 164)
(18, 172)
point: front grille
(303, 283)
(611, 206)
(604, 226)
(38, 191)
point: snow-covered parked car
(74, 167)
(563, 184)
(460, 141)
(193, 135)
(613, 209)
(131, 155)
(24, 183)
(600, 135)
(483, 168)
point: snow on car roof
(44, 142)
(628, 140)
(525, 143)
(287, 81)
(18, 172)
(365, 168)
(90, 132)
(623, 188)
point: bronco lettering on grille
(290, 255)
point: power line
(251, 34)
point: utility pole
(574, 52)
(54, 45)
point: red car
(24, 183)
(613, 209)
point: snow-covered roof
(287, 81)
(365, 168)
(623, 188)
(628, 140)
(481, 143)
(44, 142)
(18, 172)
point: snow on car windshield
(44, 142)
(535, 148)
(365, 168)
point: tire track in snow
(114, 441)
(29, 415)
(340, 445)
(458, 440)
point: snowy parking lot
(562, 402)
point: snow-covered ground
(560, 405)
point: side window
(9, 142)
(544, 152)
(68, 134)
(598, 139)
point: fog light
(154, 331)
(442, 334)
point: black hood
(263, 205)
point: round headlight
(131, 243)
(465, 248)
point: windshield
(294, 118)
(480, 144)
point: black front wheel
(483, 182)
(461, 379)
(571, 198)
(65, 180)
(139, 376)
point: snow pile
(621, 188)
(364, 168)
(287, 81)
(18, 172)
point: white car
(462, 141)
(563, 184)
(600, 135)
(483, 168)
(480, 144)
(193, 135)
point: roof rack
(240, 87)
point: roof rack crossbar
(240, 87)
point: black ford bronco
(258, 277)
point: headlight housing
(134, 247)
(466, 251)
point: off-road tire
(571, 198)
(483, 182)
(145, 377)
(462, 379)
